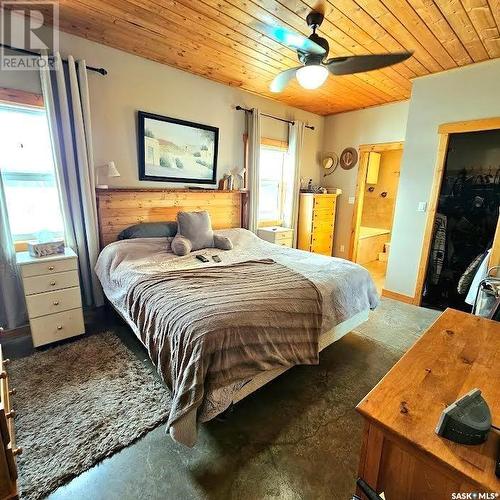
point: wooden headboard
(120, 208)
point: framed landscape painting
(172, 150)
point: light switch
(351, 200)
(422, 206)
(342, 248)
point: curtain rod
(101, 71)
(247, 110)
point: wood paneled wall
(120, 208)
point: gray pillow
(197, 228)
(180, 245)
(222, 242)
(149, 230)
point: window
(27, 169)
(272, 185)
(276, 179)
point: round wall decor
(348, 158)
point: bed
(314, 300)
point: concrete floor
(296, 438)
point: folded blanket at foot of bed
(208, 328)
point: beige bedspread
(208, 328)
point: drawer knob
(13, 391)
(6, 361)
(11, 414)
(59, 327)
(56, 302)
(51, 268)
(52, 283)
(3, 374)
(17, 451)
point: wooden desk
(401, 453)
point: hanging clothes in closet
(466, 219)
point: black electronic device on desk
(467, 420)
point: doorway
(376, 192)
(463, 222)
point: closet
(466, 218)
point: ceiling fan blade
(281, 80)
(291, 39)
(359, 64)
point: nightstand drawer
(48, 267)
(53, 327)
(53, 302)
(50, 282)
(285, 242)
(282, 235)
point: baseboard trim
(398, 296)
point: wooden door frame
(444, 132)
(364, 150)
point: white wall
(134, 83)
(463, 94)
(368, 126)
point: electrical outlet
(342, 248)
(422, 206)
(351, 200)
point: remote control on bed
(216, 258)
(202, 258)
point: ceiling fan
(313, 52)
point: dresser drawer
(322, 248)
(48, 267)
(50, 282)
(322, 243)
(322, 227)
(283, 235)
(324, 203)
(53, 302)
(285, 242)
(53, 327)
(327, 215)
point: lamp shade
(112, 170)
(312, 76)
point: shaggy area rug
(77, 404)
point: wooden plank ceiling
(223, 40)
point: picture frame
(174, 150)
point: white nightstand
(276, 234)
(53, 298)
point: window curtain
(295, 145)
(66, 96)
(253, 168)
(12, 304)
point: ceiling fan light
(312, 76)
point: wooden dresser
(401, 454)
(8, 452)
(316, 222)
(53, 297)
